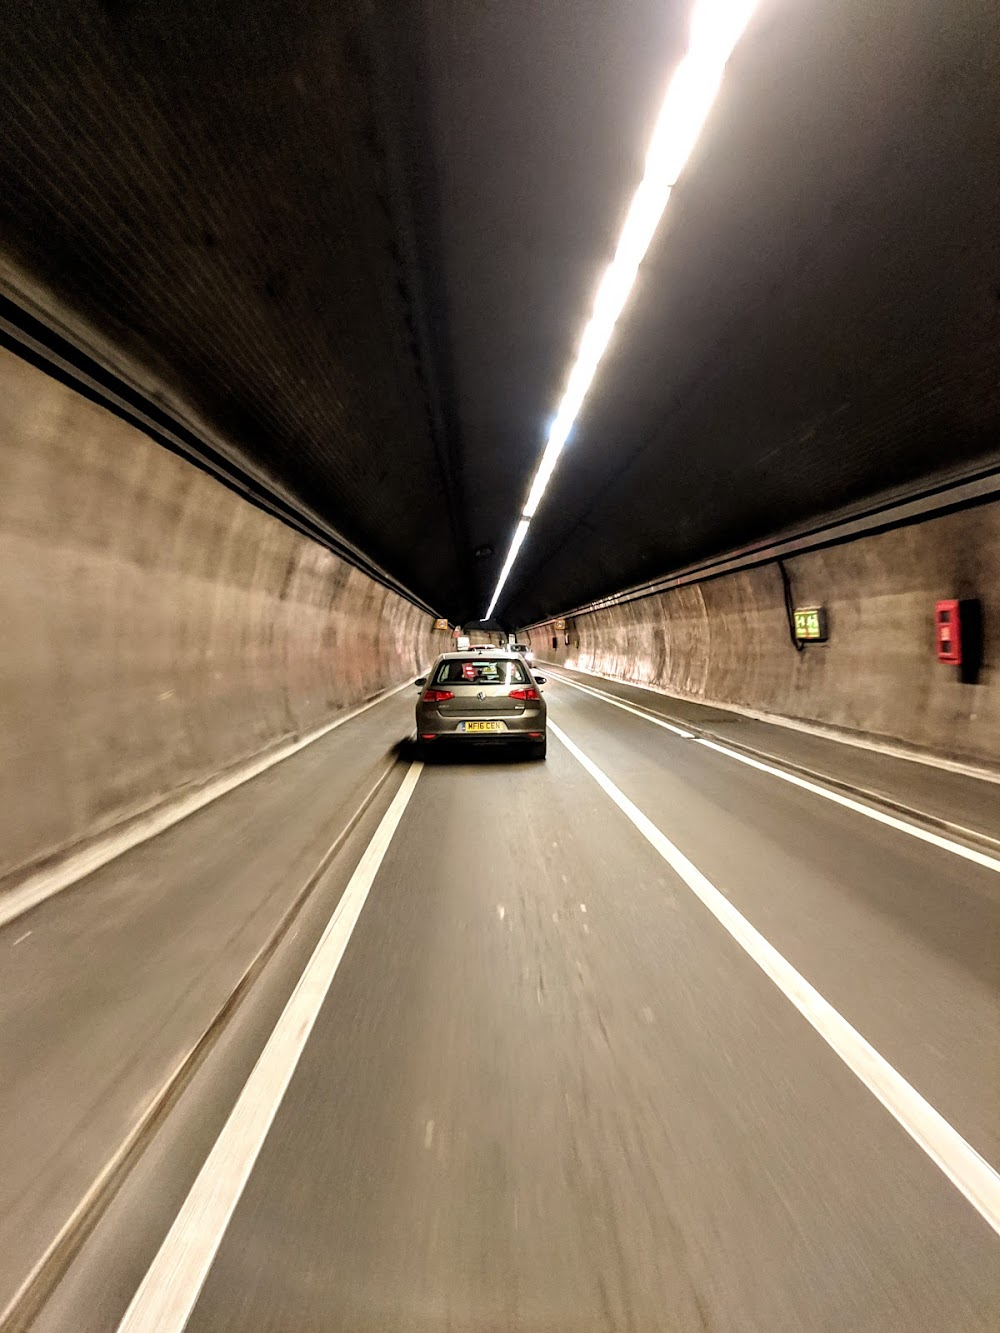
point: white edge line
(970, 1173)
(152, 1104)
(43, 884)
(902, 825)
(170, 1289)
(96, 1185)
(859, 807)
(829, 733)
(628, 708)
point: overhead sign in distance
(560, 623)
(810, 624)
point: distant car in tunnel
(524, 650)
(481, 699)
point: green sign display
(810, 624)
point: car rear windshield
(481, 671)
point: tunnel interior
(435, 898)
(360, 244)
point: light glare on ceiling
(515, 546)
(716, 27)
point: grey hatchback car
(492, 698)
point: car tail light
(436, 696)
(525, 694)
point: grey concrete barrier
(156, 629)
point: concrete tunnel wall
(157, 629)
(726, 640)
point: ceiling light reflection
(716, 27)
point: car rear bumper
(484, 738)
(511, 736)
(528, 726)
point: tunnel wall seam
(35, 326)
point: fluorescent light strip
(716, 27)
(515, 545)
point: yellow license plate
(482, 726)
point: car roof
(498, 652)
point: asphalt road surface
(643, 1037)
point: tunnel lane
(547, 1089)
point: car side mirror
(421, 682)
(541, 680)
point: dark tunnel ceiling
(362, 240)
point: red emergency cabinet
(948, 632)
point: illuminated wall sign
(560, 623)
(441, 624)
(810, 624)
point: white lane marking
(828, 733)
(501, 911)
(155, 1100)
(968, 1172)
(168, 1293)
(429, 1134)
(34, 889)
(626, 708)
(20, 939)
(901, 825)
